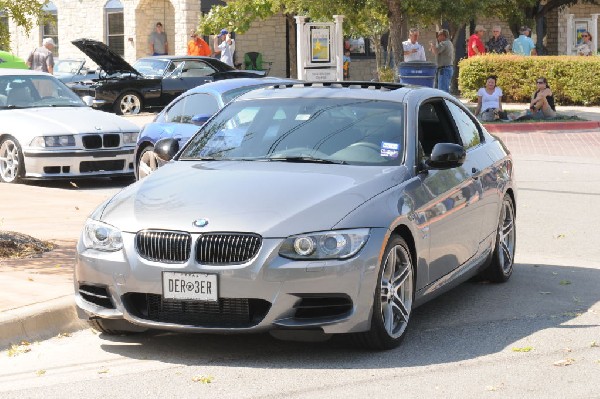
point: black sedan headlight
(101, 236)
(53, 141)
(337, 244)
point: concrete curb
(39, 321)
(526, 127)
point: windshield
(231, 94)
(151, 67)
(36, 91)
(68, 66)
(332, 130)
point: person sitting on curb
(489, 101)
(541, 105)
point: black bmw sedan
(151, 82)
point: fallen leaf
(576, 299)
(40, 372)
(203, 379)
(103, 371)
(64, 335)
(558, 237)
(594, 344)
(564, 362)
(18, 349)
(554, 273)
(567, 350)
(545, 292)
(76, 208)
(523, 349)
(29, 279)
(572, 314)
(564, 282)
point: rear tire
(115, 326)
(503, 256)
(12, 167)
(393, 298)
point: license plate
(190, 286)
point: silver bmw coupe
(330, 207)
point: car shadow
(473, 320)
(98, 183)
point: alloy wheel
(130, 104)
(9, 161)
(506, 252)
(396, 291)
(148, 163)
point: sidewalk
(36, 300)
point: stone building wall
(579, 11)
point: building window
(115, 26)
(359, 47)
(50, 27)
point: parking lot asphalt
(36, 300)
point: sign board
(320, 44)
(321, 75)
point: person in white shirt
(413, 51)
(489, 100)
(226, 48)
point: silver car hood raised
(46, 121)
(273, 199)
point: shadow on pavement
(473, 320)
(83, 184)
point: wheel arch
(511, 193)
(403, 231)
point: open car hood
(107, 59)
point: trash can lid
(418, 64)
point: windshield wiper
(300, 159)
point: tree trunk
(396, 20)
(291, 62)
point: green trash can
(7, 60)
(421, 73)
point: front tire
(147, 163)
(503, 256)
(12, 168)
(393, 299)
(128, 103)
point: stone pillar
(300, 46)
(594, 32)
(339, 46)
(570, 28)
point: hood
(31, 122)
(104, 57)
(273, 199)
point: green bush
(573, 80)
(386, 74)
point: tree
(25, 13)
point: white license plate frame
(190, 286)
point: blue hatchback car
(184, 116)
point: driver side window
(434, 126)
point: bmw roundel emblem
(200, 222)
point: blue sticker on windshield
(390, 150)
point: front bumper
(57, 164)
(276, 287)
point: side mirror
(165, 149)
(200, 119)
(446, 156)
(88, 100)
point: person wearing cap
(444, 56)
(197, 46)
(42, 59)
(226, 48)
(158, 41)
(524, 45)
(475, 44)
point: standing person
(388, 54)
(444, 56)
(158, 41)
(226, 48)
(475, 44)
(346, 64)
(542, 100)
(497, 43)
(489, 100)
(413, 51)
(197, 46)
(42, 59)
(585, 48)
(524, 45)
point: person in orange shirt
(197, 46)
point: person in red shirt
(475, 45)
(197, 46)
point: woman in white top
(489, 99)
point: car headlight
(340, 244)
(101, 236)
(130, 138)
(53, 141)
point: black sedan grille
(164, 246)
(96, 141)
(225, 313)
(227, 248)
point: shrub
(386, 74)
(573, 80)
